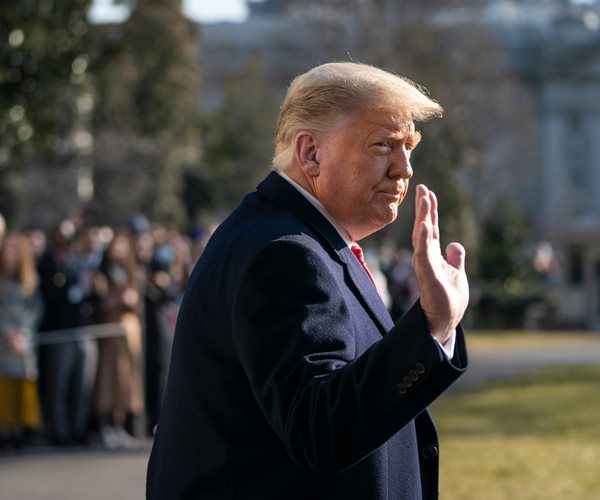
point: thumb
(455, 255)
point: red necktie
(357, 251)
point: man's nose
(400, 164)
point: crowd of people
(87, 315)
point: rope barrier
(80, 333)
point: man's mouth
(392, 194)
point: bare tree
(146, 118)
(471, 155)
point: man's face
(364, 170)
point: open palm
(442, 281)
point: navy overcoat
(289, 379)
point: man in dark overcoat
(289, 379)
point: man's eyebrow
(411, 136)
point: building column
(594, 158)
(553, 178)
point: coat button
(420, 368)
(430, 451)
(413, 375)
(401, 388)
(406, 381)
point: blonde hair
(27, 274)
(319, 99)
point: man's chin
(388, 219)
(392, 213)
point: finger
(417, 222)
(422, 193)
(455, 255)
(434, 215)
(421, 244)
(422, 210)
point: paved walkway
(74, 474)
(95, 474)
(488, 365)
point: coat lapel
(367, 290)
(277, 190)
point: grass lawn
(536, 437)
(491, 339)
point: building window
(575, 264)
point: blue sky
(206, 11)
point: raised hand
(442, 281)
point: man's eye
(383, 144)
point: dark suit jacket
(289, 379)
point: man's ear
(306, 151)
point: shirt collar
(319, 206)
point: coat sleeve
(295, 336)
